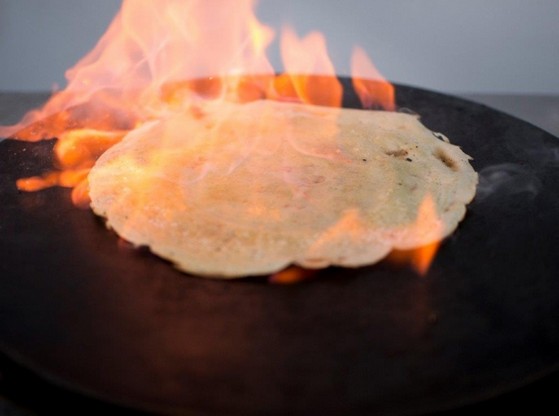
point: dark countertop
(542, 111)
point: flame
(302, 68)
(158, 58)
(292, 275)
(371, 87)
(427, 226)
(163, 56)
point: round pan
(90, 313)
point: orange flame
(292, 275)
(162, 57)
(302, 68)
(371, 87)
(428, 227)
(165, 55)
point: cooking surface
(77, 305)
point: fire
(370, 85)
(301, 66)
(291, 275)
(157, 58)
(427, 225)
(164, 56)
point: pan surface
(97, 316)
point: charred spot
(397, 153)
(440, 136)
(446, 159)
(409, 159)
(364, 160)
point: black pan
(97, 316)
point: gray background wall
(447, 45)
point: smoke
(546, 157)
(507, 179)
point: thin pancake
(232, 190)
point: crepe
(229, 190)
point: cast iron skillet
(99, 317)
